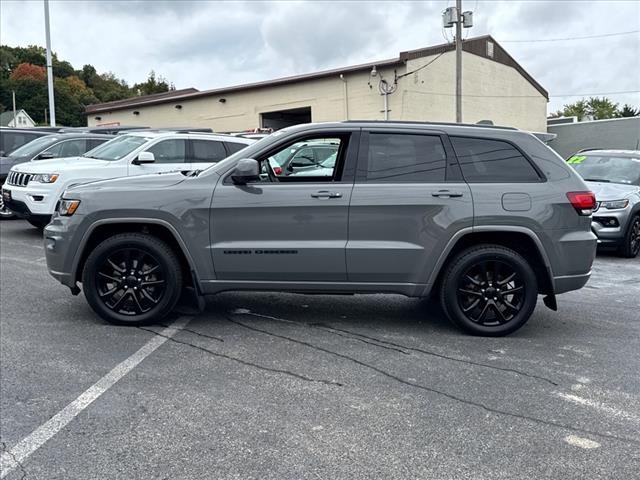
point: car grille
(597, 207)
(18, 179)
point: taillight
(583, 202)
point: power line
(615, 34)
(531, 96)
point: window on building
(485, 160)
(398, 157)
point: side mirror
(247, 170)
(144, 157)
(45, 156)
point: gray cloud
(211, 44)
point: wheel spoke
(500, 313)
(110, 293)
(117, 280)
(135, 297)
(149, 297)
(509, 305)
(473, 305)
(509, 291)
(153, 282)
(117, 304)
(483, 313)
(115, 267)
(151, 270)
(473, 280)
(506, 280)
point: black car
(45, 147)
(13, 138)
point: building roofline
(475, 45)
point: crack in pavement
(200, 334)
(3, 447)
(329, 328)
(244, 362)
(439, 392)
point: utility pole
(455, 16)
(13, 92)
(458, 62)
(52, 103)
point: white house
(21, 120)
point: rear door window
(403, 157)
(207, 151)
(169, 151)
(68, 148)
(484, 160)
(233, 147)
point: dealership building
(418, 85)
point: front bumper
(610, 226)
(21, 209)
(34, 199)
(60, 250)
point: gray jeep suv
(486, 218)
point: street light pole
(52, 106)
(458, 61)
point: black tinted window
(484, 160)
(397, 157)
(208, 151)
(233, 147)
(10, 141)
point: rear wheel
(489, 290)
(631, 243)
(132, 279)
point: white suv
(32, 190)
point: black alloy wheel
(631, 245)
(489, 290)
(491, 293)
(132, 279)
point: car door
(170, 154)
(205, 152)
(285, 229)
(407, 202)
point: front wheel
(132, 279)
(631, 244)
(489, 290)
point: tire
(474, 285)
(631, 244)
(5, 213)
(39, 222)
(132, 279)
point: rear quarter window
(484, 160)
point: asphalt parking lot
(274, 386)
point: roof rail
(448, 124)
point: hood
(59, 165)
(136, 183)
(612, 191)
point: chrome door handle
(446, 194)
(326, 194)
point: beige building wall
(427, 95)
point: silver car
(614, 176)
(483, 218)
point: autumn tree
(28, 71)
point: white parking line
(19, 453)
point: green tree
(152, 85)
(629, 111)
(598, 108)
(578, 109)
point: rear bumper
(568, 283)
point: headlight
(68, 207)
(615, 204)
(45, 177)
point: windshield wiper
(597, 180)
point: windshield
(34, 146)
(607, 168)
(117, 148)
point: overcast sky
(206, 44)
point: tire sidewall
(468, 259)
(626, 250)
(159, 251)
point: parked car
(104, 129)
(13, 138)
(32, 190)
(304, 156)
(614, 176)
(45, 148)
(485, 218)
